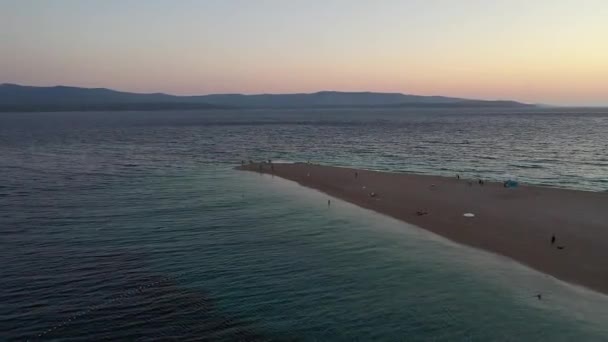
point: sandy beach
(514, 222)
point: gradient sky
(537, 51)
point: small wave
(603, 164)
(282, 161)
(541, 160)
(528, 166)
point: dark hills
(61, 98)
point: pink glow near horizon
(542, 52)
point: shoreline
(514, 222)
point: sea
(135, 226)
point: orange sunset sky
(553, 52)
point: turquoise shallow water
(130, 232)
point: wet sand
(515, 222)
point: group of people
(260, 165)
(553, 240)
(507, 184)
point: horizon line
(254, 94)
(538, 104)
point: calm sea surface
(134, 226)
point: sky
(540, 51)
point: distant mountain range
(15, 97)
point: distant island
(19, 98)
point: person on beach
(457, 176)
(553, 239)
(356, 174)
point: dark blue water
(134, 226)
